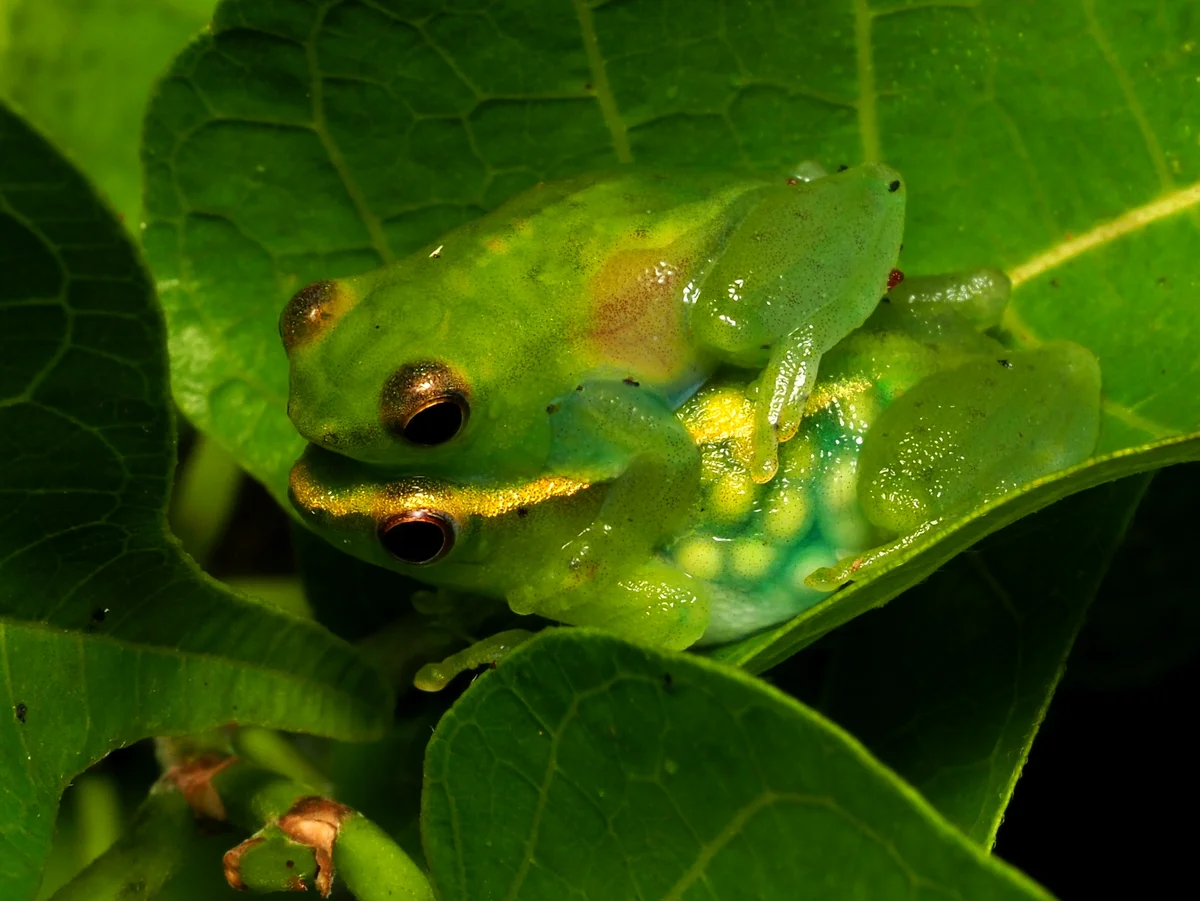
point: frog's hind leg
(979, 295)
(966, 437)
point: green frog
(919, 414)
(558, 335)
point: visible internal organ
(637, 318)
(755, 544)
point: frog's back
(591, 270)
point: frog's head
(384, 369)
(482, 538)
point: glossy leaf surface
(308, 140)
(586, 767)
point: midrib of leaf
(604, 95)
(1177, 201)
(710, 849)
(868, 124)
(371, 221)
(1183, 200)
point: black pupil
(415, 540)
(435, 424)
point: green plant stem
(98, 807)
(371, 863)
(273, 751)
(142, 859)
(206, 489)
(374, 867)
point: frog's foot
(870, 563)
(435, 676)
(783, 389)
(979, 295)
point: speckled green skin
(579, 316)
(920, 418)
(918, 415)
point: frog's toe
(764, 462)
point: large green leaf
(312, 139)
(108, 633)
(585, 767)
(949, 684)
(81, 70)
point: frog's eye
(424, 403)
(313, 311)
(418, 537)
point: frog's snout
(884, 176)
(418, 537)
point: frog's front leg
(802, 269)
(628, 436)
(656, 604)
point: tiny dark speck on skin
(579, 387)
(1005, 364)
(629, 381)
(843, 167)
(552, 409)
(894, 186)
(21, 711)
(522, 512)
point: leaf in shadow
(587, 767)
(949, 684)
(108, 633)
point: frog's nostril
(418, 537)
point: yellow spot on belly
(788, 514)
(700, 558)
(751, 558)
(731, 499)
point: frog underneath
(556, 336)
(918, 415)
